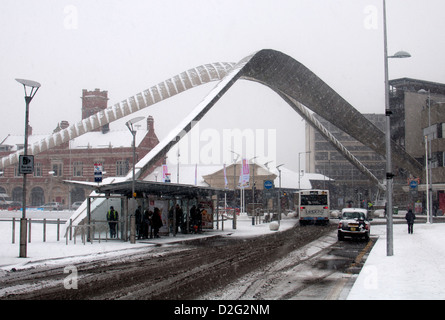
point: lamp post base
(23, 233)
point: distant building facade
(418, 111)
(75, 160)
(350, 185)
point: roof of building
(95, 140)
(415, 85)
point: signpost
(413, 187)
(413, 184)
(26, 164)
(98, 172)
(268, 184)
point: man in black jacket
(113, 219)
(410, 217)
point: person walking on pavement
(410, 217)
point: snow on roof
(115, 139)
(289, 179)
(95, 139)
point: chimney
(150, 125)
(94, 102)
(64, 124)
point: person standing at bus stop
(138, 221)
(157, 222)
(112, 218)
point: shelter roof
(161, 189)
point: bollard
(274, 226)
(71, 229)
(29, 230)
(44, 230)
(13, 230)
(23, 248)
(58, 229)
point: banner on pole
(165, 174)
(244, 174)
(226, 184)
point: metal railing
(97, 230)
(30, 222)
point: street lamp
(34, 86)
(234, 187)
(130, 126)
(299, 171)
(389, 174)
(429, 177)
(279, 192)
(253, 185)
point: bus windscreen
(314, 200)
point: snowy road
(324, 269)
(300, 262)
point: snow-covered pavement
(415, 271)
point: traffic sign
(98, 172)
(26, 164)
(268, 184)
(413, 184)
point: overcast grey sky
(127, 46)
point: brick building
(75, 159)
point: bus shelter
(165, 196)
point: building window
(121, 167)
(37, 169)
(57, 169)
(430, 132)
(16, 172)
(77, 169)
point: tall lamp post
(253, 185)
(130, 126)
(389, 174)
(429, 177)
(279, 192)
(34, 86)
(299, 170)
(234, 187)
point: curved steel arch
(274, 69)
(293, 80)
(186, 80)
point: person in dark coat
(194, 216)
(179, 214)
(157, 222)
(148, 220)
(112, 218)
(410, 217)
(138, 220)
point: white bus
(312, 206)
